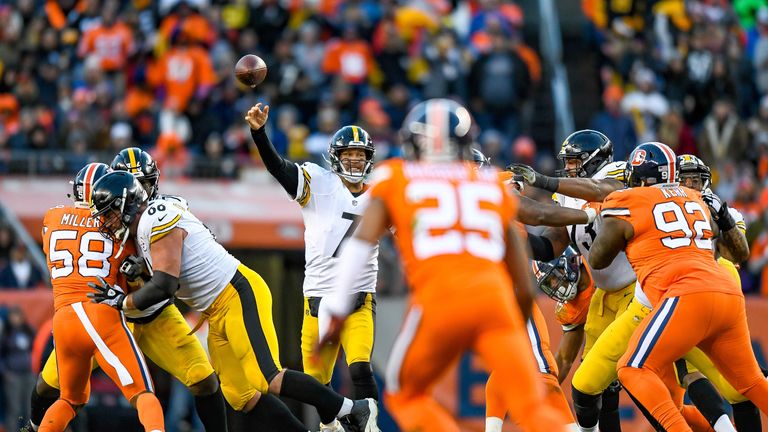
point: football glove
(527, 174)
(104, 293)
(719, 210)
(134, 267)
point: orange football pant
(436, 332)
(716, 323)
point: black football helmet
(139, 163)
(591, 147)
(351, 137)
(649, 164)
(479, 158)
(84, 180)
(559, 278)
(115, 202)
(438, 130)
(692, 172)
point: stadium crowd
(80, 79)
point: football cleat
(364, 415)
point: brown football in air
(250, 70)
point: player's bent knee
(276, 383)
(691, 378)
(44, 389)
(206, 386)
(586, 383)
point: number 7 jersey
(331, 214)
(451, 221)
(672, 249)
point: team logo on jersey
(354, 202)
(638, 158)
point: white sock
(723, 424)
(573, 427)
(346, 408)
(589, 429)
(493, 424)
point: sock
(235, 419)
(587, 409)
(609, 411)
(39, 406)
(304, 388)
(493, 424)
(346, 408)
(57, 417)
(210, 408)
(364, 384)
(723, 424)
(747, 417)
(271, 414)
(706, 398)
(150, 412)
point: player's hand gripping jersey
(450, 221)
(77, 253)
(206, 267)
(331, 214)
(672, 240)
(619, 274)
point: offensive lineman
(332, 202)
(187, 262)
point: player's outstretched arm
(285, 171)
(166, 268)
(593, 190)
(569, 348)
(532, 212)
(517, 264)
(612, 239)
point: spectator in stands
(350, 57)
(111, 40)
(20, 273)
(16, 367)
(499, 86)
(317, 143)
(674, 132)
(645, 105)
(309, 52)
(616, 125)
(448, 68)
(723, 135)
(6, 243)
(269, 18)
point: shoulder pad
(159, 218)
(614, 170)
(176, 200)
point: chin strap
(122, 243)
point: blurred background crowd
(82, 79)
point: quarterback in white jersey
(188, 263)
(332, 201)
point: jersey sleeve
(614, 171)
(739, 218)
(162, 217)
(311, 180)
(617, 204)
(175, 199)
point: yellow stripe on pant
(242, 340)
(356, 339)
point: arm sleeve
(285, 171)
(541, 248)
(161, 287)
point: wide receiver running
(448, 215)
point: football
(250, 70)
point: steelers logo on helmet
(559, 278)
(141, 164)
(438, 130)
(345, 162)
(651, 163)
(584, 153)
(692, 172)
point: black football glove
(719, 210)
(104, 293)
(134, 267)
(527, 174)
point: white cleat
(364, 415)
(493, 424)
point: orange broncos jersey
(451, 221)
(671, 251)
(76, 253)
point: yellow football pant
(356, 339)
(166, 341)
